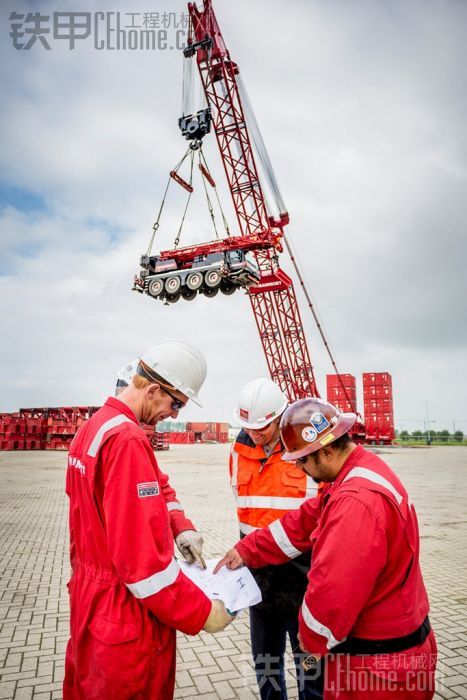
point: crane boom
(273, 298)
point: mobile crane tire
(212, 279)
(172, 284)
(155, 288)
(227, 288)
(172, 298)
(189, 294)
(194, 281)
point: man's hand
(232, 560)
(190, 544)
(218, 617)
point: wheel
(228, 288)
(155, 287)
(210, 291)
(172, 298)
(172, 284)
(189, 294)
(194, 280)
(212, 279)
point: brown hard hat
(310, 424)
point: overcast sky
(363, 108)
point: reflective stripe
(281, 539)
(234, 477)
(156, 582)
(174, 505)
(311, 488)
(316, 626)
(245, 529)
(273, 502)
(108, 425)
(363, 473)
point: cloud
(362, 107)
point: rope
(156, 223)
(211, 210)
(224, 220)
(177, 238)
(315, 315)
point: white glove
(187, 539)
(218, 617)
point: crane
(250, 259)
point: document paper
(236, 588)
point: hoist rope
(210, 207)
(260, 147)
(314, 312)
(224, 220)
(156, 223)
(177, 237)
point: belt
(355, 645)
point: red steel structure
(273, 299)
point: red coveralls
(365, 579)
(127, 592)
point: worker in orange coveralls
(128, 595)
(188, 540)
(366, 607)
(265, 487)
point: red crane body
(273, 298)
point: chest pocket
(295, 482)
(244, 475)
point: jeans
(269, 632)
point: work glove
(189, 539)
(218, 617)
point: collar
(349, 463)
(121, 407)
(278, 447)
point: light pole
(428, 420)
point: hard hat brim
(346, 421)
(256, 426)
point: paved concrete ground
(34, 568)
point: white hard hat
(260, 402)
(125, 375)
(180, 364)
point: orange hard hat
(310, 424)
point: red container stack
(209, 432)
(54, 428)
(341, 392)
(12, 431)
(62, 425)
(42, 428)
(186, 438)
(378, 406)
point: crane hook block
(195, 126)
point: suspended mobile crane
(251, 259)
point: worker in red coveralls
(188, 540)
(128, 595)
(366, 608)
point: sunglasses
(176, 403)
(260, 430)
